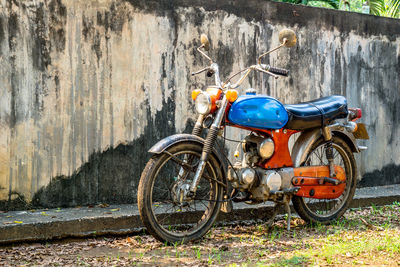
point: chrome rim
(182, 219)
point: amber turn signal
(195, 93)
(231, 95)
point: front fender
(305, 141)
(169, 141)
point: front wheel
(327, 210)
(162, 206)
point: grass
(293, 261)
(363, 236)
(373, 238)
(336, 249)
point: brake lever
(200, 71)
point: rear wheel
(164, 212)
(326, 210)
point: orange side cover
(311, 182)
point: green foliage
(386, 8)
(330, 3)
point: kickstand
(286, 203)
(287, 208)
(271, 220)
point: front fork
(208, 146)
(197, 129)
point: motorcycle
(188, 179)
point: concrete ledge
(20, 226)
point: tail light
(354, 114)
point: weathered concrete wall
(88, 86)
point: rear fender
(305, 141)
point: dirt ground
(369, 236)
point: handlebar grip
(278, 71)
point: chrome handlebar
(214, 69)
(259, 67)
(200, 71)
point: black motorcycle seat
(316, 113)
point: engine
(261, 184)
(257, 148)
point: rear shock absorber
(329, 157)
(327, 133)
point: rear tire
(160, 176)
(326, 210)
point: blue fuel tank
(258, 111)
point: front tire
(327, 210)
(167, 219)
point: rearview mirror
(204, 42)
(287, 37)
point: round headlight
(203, 103)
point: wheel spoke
(326, 207)
(169, 177)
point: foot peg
(241, 197)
